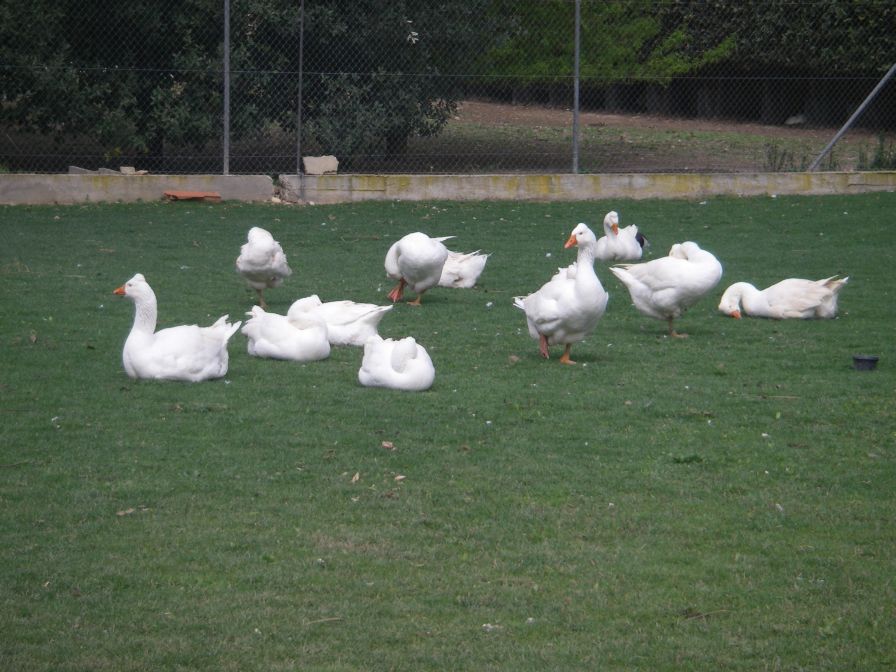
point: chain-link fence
(426, 86)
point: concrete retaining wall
(29, 188)
(17, 188)
(348, 188)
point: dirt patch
(487, 113)
(612, 143)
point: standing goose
(619, 244)
(416, 261)
(185, 352)
(665, 288)
(791, 298)
(568, 307)
(262, 262)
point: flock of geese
(563, 311)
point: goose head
(135, 288)
(581, 236)
(303, 306)
(611, 223)
(403, 352)
(730, 302)
(258, 235)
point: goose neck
(585, 257)
(145, 314)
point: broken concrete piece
(320, 165)
(193, 195)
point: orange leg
(564, 358)
(673, 333)
(261, 301)
(543, 346)
(416, 302)
(397, 291)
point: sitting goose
(791, 298)
(186, 352)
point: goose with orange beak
(620, 244)
(793, 298)
(567, 308)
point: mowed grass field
(720, 502)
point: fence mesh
(425, 86)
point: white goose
(791, 298)
(299, 337)
(666, 287)
(568, 307)
(348, 322)
(397, 364)
(416, 261)
(462, 270)
(185, 352)
(619, 244)
(262, 262)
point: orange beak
(735, 314)
(570, 243)
(119, 291)
(615, 228)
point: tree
(818, 59)
(379, 73)
(135, 78)
(129, 84)
(621, 41)
(827, 37)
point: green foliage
(380, 74)
(780, 158)
(721, 502)
(828, 37)
(129, 75)
(135, 77)
(883, 158)
(620, 41)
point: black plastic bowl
(864, 362)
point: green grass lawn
(721, 502)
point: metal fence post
(575, 89)
(299, 105)
(852, 119)
(226, 122)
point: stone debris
(320, 165)
(124, 170)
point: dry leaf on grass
(356, 477)
(388, 445)
(142, 508)
(400, 477)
